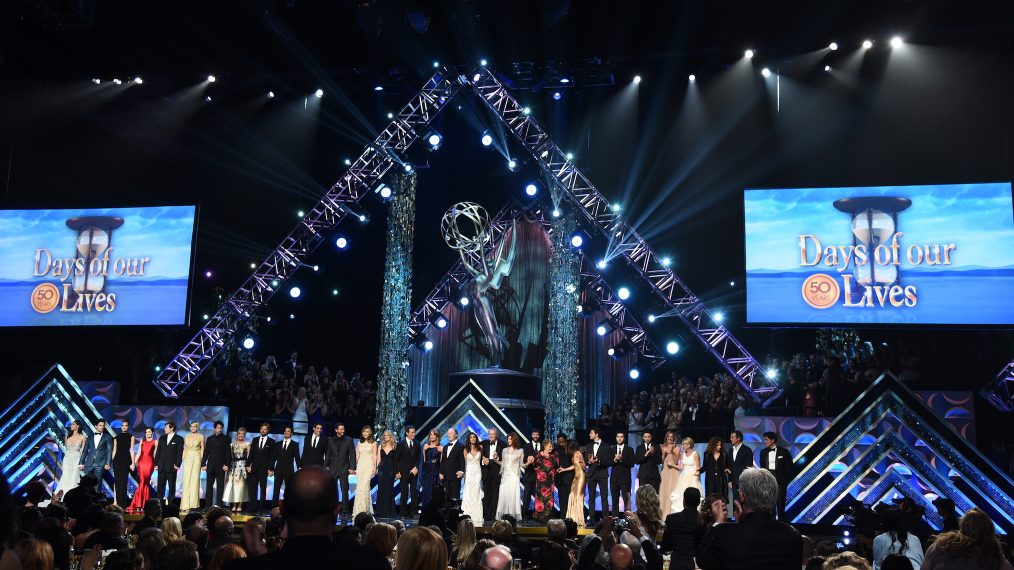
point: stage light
(341, 242)
(896, 42)
(748, 54)
(334, 292)
(249, 343)
(319, 93)
(846, 533)
(208, 274)
(483, 62)
(434, 140)
(212, 79)
(512, 164)
(556, 96)
(832, 46)
(378, 88)
(138, 80)
(611, 351)
(692, 78)
(274, 283)
(487, 139)
(476, 78)
(867, 44)
(637, 80)
(605, 327)
(363, 218)
(292, 316)
(623, 293)
(158, 368)
(615, 207)
(634, 374)
(205, 316)
(666, 262)
(602, 264)
(672, 347)
(771, 374)
(827, 68)
(384, 191)
(271, 94)
(300, 213)
(118, 82)
(570, 156)
(564, 80)
(527, 110)
(719, 317)
(846, 540)
(428, 345)
(348, 162)
(651, 318)
(556, 213)
(732, 283)
(620, 350)
(441, 323)
(463, 301)
(315, 268)
(436, 64)
(295, 292)
(408, 167)
(208, 98)
(96, 81)
(390, 115)
(531, 189)
(766, 72)
(268, 319)
(577, 241)
(253, 265)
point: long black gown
(385, 483)
(716, 480)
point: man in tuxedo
(742, 459)
(564, 479)
(97, 456)
(680, 530)
(286, 461)
(314, 447)
(619, 480)
(647, 457)
(491, 450)
(599, 459)
(531, 451)
(168, 458)
(452, 465)
(217, 455)
(340, 460)
(777, 460)
(260, 465)
(409, 456)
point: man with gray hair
(497, 558)
(556, 531)
(756, 540)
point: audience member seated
(520, 546)
(198, 535)
(620, 556)
(464, 542)
(383, 538)
(152, 516)
(172, 529)
(110, 533)
(973, 546)
(179, 555)
(78, 499)
(125, 559)
(555, 556)
(474, 560)
(897, 562)
(220, 533)
(845, 561)
(497, 558)
(680, 532)
(149, 542)
(225, 553)
(895, 539)
(34, 554)
(420, 548)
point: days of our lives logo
(870, 267)
(83, 277)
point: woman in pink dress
(144, 465)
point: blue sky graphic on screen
(890, 255)
(109, 266)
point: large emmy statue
(466, 228)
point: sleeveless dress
(509, 502)
(471, 504)
(429, 475)
(299, 419)
(70, 475)
(235, 481)
(545, 485)
(385, 483)
(669, 476)
(145, 467)
(364, 476)
(688, 478)
(575, 503)
(190, 498)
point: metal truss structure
(592, 283)
(381, 155)
(1000, 392)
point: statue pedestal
(515, 394)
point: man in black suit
(259, 466)
(778, 461)
(286, 462)
(314, 447)
(564, 479)
(168, 458)
(742, 459)
(452, 465)
(619, 480)
(598, 459)
(647, 457)
(340, 460)
(408, 472)
(217, 456)
(757, 541)
(491, 450)
(680, 529)
(531, 452)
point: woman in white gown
(690, 475)
(367, 458)
(299, 419)
(72, 448)
(471, 503)
(509, 501)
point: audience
(382, 537)
(421, 548)
(897, 562)
(152, 516)
(34, 554)
(681, 530)
(149, 542)
(895, 539)
(224, 554)
(474, 560)
(464, 542)
(124, 559)
(846, 560)
(973, 546)
(179, 555)
(172, 529)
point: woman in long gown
(143, 465)
(299, 418)
(429, 474)
(716, 467)
(385, 479)
(471, 503)
(690, 475)
(670, 472)
(545, 466)
(70, 475)
(367, 457)
(235, 492)
(509, 501)
(575, 503)
(193, 453)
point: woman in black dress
(716, 468)
(385, 473)
(123, 458)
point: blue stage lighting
(463, 301)
(556, 213)
(602, 264)
(249, 343)
(666, 262)
(428, 345)
(766, 72)
(378, 88)
(719, 317)
(363, 218)
(512, 164)
(771, 374)
(672, 347)
(434, 140)
(385, 192)
(635, 374)
(483, 62)
(531, 189)
(436, 64)
(527, 110)
(295, 292)
(556, 96)
(487, 139)
(732, 283)
(577, 241)
(570, 156)
(623, 293)
(601, 330)
(408, 167)
(319, 93)
(342, 242)
(292, 316)
(651, 318)
(441, 323)
(348, 162)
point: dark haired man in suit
(741, 459)
(314, 447)
(598, 459)
(778, 461)
(619, 479)
(217, 456)
(340, 460)
(286, 461)
(168, 458)
(409, 456)
(260, 465)
(648, 456)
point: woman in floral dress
(546, 464)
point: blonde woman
(690, 476)
(367, 458)
(670, 472)
(172, 529)
(193, 454)
(465, 543)
(388, 466)
(575, 503)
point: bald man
(620, 555)
(497, 558)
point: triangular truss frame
(386, 151)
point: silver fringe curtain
(559, 392)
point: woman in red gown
(144, 465)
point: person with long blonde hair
(465, 542)
(575, 503)
(367, 458)
(421, 548)
(172, 529)
(690, 475)
(670, 472)
(974, 544)
(34, 554)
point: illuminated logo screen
(887, 255)
(111, 266)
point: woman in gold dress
(575, 504)
(193, 453)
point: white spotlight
(623, 293)
(487, 139)
(601, 330)
(463, 301)
(771, 374)
(692, 78)
(441, 323)
(719, 317)
(118, 82)
(271, 94)
(483, 62)
(827, 68)
(637, 80)
(512, 164)
(96, 81)
(672, 347)
(531, 189)
(248, 343)
(319, 93)
(390, 115)
(385, 191)
(634, 374)
(766, 72)
(556, 213)
(363, 218)
(211, 79)
(378, 88)
(208, 98)
(295, 292)
(732, 283)
(867, 44)
(428, 345)
(434, 140)
(138, 80)
(748, 54)
(832, 46)
(577, 241)
(602, 264)
(666, 262)
(408, 167)
(896, 42)
(527, 110)
(651, 318)
(570, 156)
(348, 162)
(616, 207)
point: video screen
(94, 267)
(886, 255)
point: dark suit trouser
(281, 478)
(621, 489)
(216, 478)
(97, 472)
(603, 486)
(491, 494)
(257, 480)
(409, 487)
(120, 484)
(343, 483)
(563, 490)
(167, 477)
(526, 498)
(780, 504)
(453, 486)
(654, 484)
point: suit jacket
(452, 460)
(408, 458)
(261, 460)
(758, 542)
(314, 455)
(783, 464)
(286, 456)
(93, 457)
(492, 470)
(742, 461)
(169, 453)
(601, 469)
(217, 452)
(650, 465)
(529, 451)
(621, 468)
(566, 460)
(340, 456)
(678, 536)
